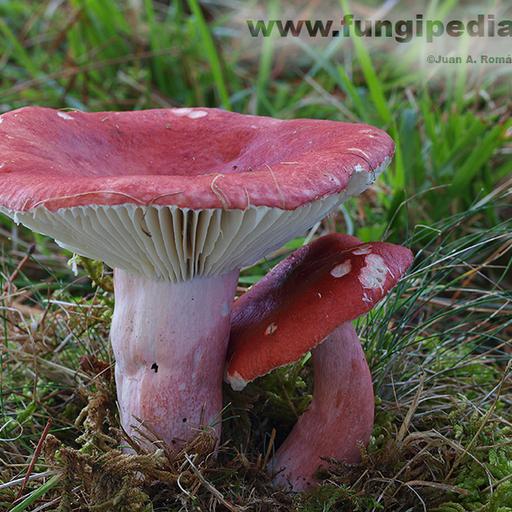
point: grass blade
(212, 54)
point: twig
(46, 505)
(211, 488)
(410, 413)
(437, 485)
(269, 448)
(18, 481)
(17, 270)
(37, 452)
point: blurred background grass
(438, 348)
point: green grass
(439, 346)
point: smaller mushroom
(307, 302)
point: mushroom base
(339, 420)
(169, 342)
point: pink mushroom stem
(340, 418)
(169, 342)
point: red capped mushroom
(307, 303)
(177, 201)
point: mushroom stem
(340, 418)
(169, 342)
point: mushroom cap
(330, 281)
(176, 193)
(192, 158)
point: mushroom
(176, 201)
(307, 303)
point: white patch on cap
(363, 249)
(236, 381)
(335, 180)
(370, 132)
(65, 116)
(271, 329)
(182, 111)
(373, 274)
(197, 114)
(360, 151)
(2, 165)
(1, 120)
(342, 269)
(366, 299)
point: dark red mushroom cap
(191, 158)
(332, 280)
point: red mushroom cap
(332, 280)
(191, 158)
